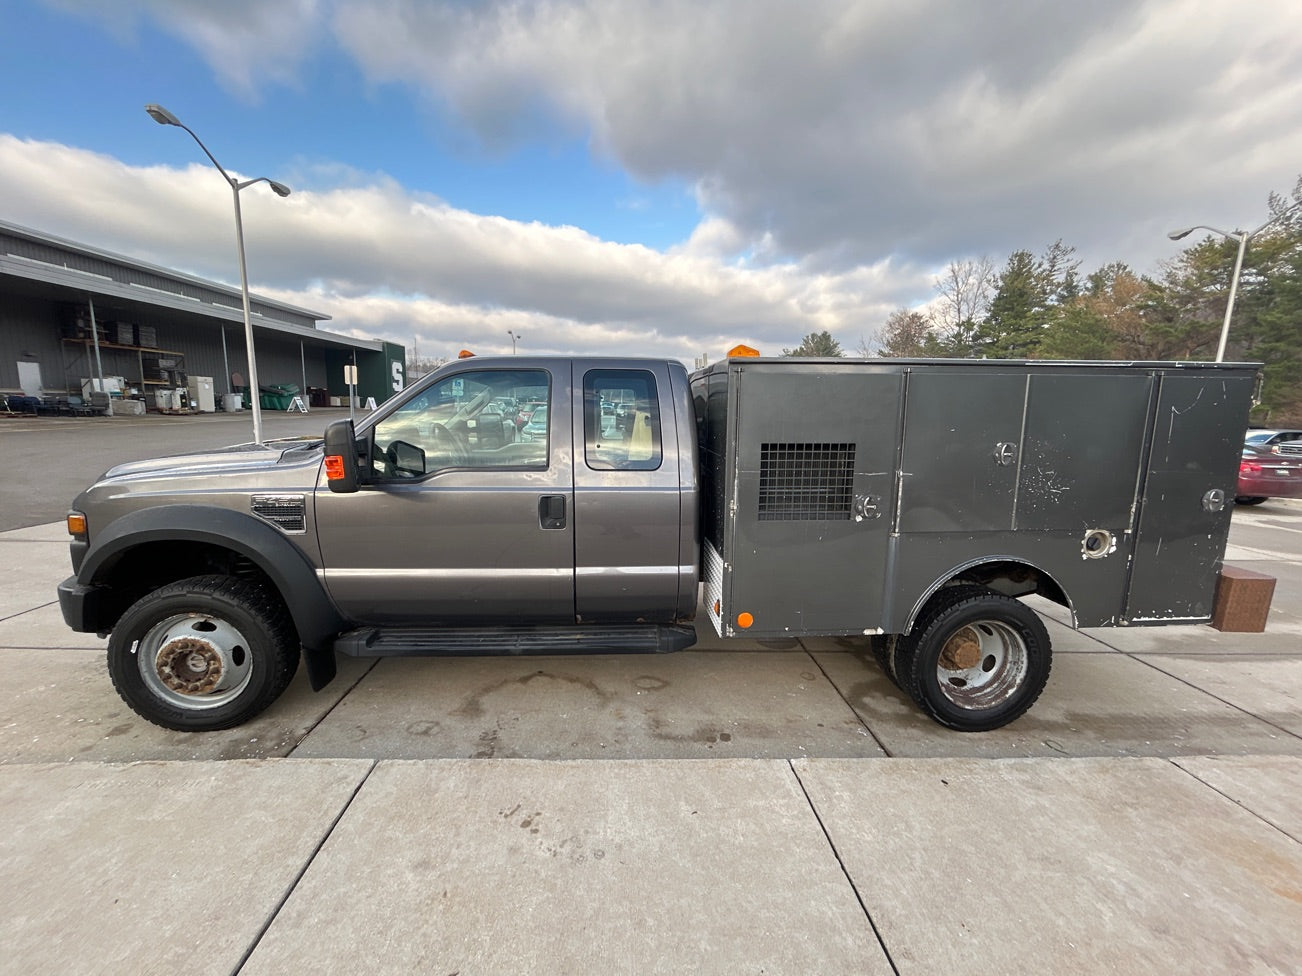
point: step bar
(502, 641)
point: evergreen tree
(1012, 327)
(816, 344)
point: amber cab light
(742, 351)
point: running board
(500, 641)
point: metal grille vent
(286, 511)
(806, 482)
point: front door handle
(551, 512)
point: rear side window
(621, 419)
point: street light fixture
(163, 117)
(514, 339)
(1243, 238)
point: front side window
(621, 414)
(475, 419)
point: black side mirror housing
(341, 457)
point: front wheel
(975, 660)
(202, 654)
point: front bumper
(82, 606)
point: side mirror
(341, 457)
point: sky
(640, 177)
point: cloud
(245, 42)
(387, 264)
(840, 154)
(841, 132)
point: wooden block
(1242, 600)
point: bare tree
(870, 345)
(965, 289)
(907, 333)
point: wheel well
(1008, 577)
(132, 573)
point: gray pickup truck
(526, 506)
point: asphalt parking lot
(738, 807)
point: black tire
(1249, 500)
(204, 653)
(975, 659)
(883, 648)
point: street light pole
(1242, 237)
(163, 117)
(514, 339)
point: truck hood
(237, 456)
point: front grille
(285, 511)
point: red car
(1265, 474)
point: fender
(984, 561)
(314, 614)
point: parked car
(526, 411)
(1264, 474)
(536, 428)
(1276, 441)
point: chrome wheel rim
(194, 661)
(982, 665)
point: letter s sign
(396, 366)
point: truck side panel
(1021, 467)
(1025, 476)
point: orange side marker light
(744, 620)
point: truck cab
(453, 516)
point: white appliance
(201, 394)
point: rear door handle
(551, 512)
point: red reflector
(334, 467)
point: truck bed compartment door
(1188, 497)
(962, 443)
(815, 460)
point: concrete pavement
(739, 807)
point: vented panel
(713, 564)
(806, 482)
(286, 511)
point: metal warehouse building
(70, 313)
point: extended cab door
(634, 498)
(466, 513)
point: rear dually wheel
(975, 660)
